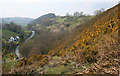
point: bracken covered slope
(95, 49)
(98, 42)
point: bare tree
(67, 15)
(102, 9)
(76, 14)
(81, 14)
(97, 12)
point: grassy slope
(7, 34)
(73, 24)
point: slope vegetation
(96, 42)
(93, 49)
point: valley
(50, 44)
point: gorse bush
(87, 41)
(41, 59)
(92, 48)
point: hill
(7, 34)
(92, 48)
(51, 30)
(41, 21)
(50, 22)
(17, 20)
(95, 42)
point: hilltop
(42, 21)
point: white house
(16, 38)
(11, 39)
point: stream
(17, 48)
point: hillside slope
(52, 23)
(96, 42)
(93, 50)
(41, 22)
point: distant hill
(42, 22)
(50, 22)
(17, 20)
(11, 29)
(40, 19)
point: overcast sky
(36, 8)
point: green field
(7, 34)
(74, 22)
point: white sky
(36, 8)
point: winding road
(17, 48)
